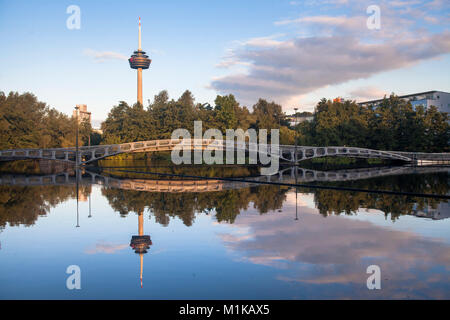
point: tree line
(24, 205)
(393, 125)
(26, 122)
(127, 123)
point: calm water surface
(223, 240)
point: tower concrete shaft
(139, 86)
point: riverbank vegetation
(24, 205)
(26, 122)
(394, 125)
(134, 123)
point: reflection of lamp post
(295, 153)
(76, 141)
(295, 167)
(89, 216)
(76, 178)
(296, 209)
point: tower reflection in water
(141, 243)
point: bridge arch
(287, 153)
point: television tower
(139, 60)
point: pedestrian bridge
(287, 153)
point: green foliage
(268, 114)
(287, 136)
(226, 112)
(127, 124)
(26, 122)
(394, 125)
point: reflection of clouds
(105, 247)
(303, 199)
(334, 250)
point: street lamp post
(89, 143)
(295, 167)
(295, 153)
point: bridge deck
(283, 152)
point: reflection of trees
(335, 202)
(227, 204)
(23, 205)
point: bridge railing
(302, 152)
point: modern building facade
(440, 99)
(441, 211)
(83, 113)
(293, 120)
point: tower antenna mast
(140, 47)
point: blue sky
(293, 52)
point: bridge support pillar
(78, 160)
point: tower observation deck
(139, 60)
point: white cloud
(367, 93)
(335, 50)
(105, 247)
(405, 3)
(341, 253)
(315, 19)
(306, 64)
(101, 56)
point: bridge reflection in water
(288, 175)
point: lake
(135, 234)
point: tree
(128, 124)
(160, 99)
(268, 115)
(186, 100)
(26, 122)
(226, 112)
(437, 132)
